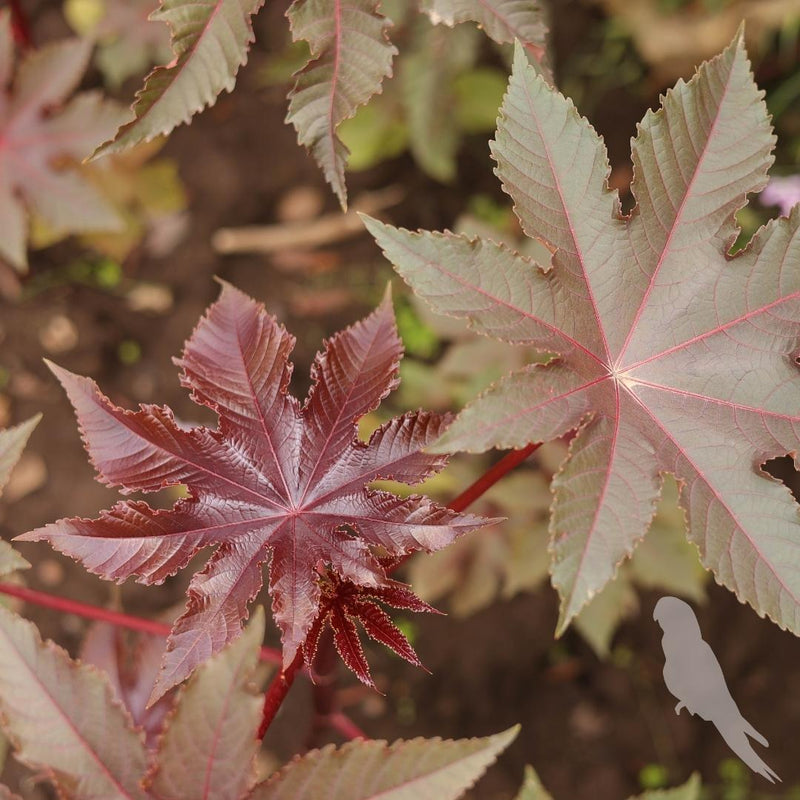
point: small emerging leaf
(417, 769)
(532, 788)
(209, 41)
(12, 443)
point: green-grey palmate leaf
(210, 39)
(351, 56)
(416, 769)
(670, 355)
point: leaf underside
(350, 57)
(503, 21)
(670, 356)
(43, 136)
(417, 769)
(277, 482)
(210, 40)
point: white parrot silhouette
(693, 675)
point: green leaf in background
(478, 95)
(436, 57)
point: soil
(588, 726)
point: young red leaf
(373, 770)
(672, 356)
(276, 481)
(35, 137)
(342, 603)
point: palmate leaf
(276, 482)
(418, 769)
(39, 129)
(671, 356)
(350, 57)
(210, 39)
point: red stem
(117, 618)
(19, 24)
(491, 476)
(277, 691)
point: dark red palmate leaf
(343, 603)
(276, 482)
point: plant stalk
(67, 606)
(277, 691)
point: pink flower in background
(783, 192)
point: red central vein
(335, 424)
(573, 233)
(260, 413)
(713, 331)
(674, 227)
(337, 36)
(719, 497)
(716, 400)
(506, 304)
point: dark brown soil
(587, 726)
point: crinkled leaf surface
(275, 480)
(343, 603)
(418, 769)
(670, 356)
(502, 20)
(351, 55)
(208, 747)
(210, 40)
(62, 717)
(39, 131)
